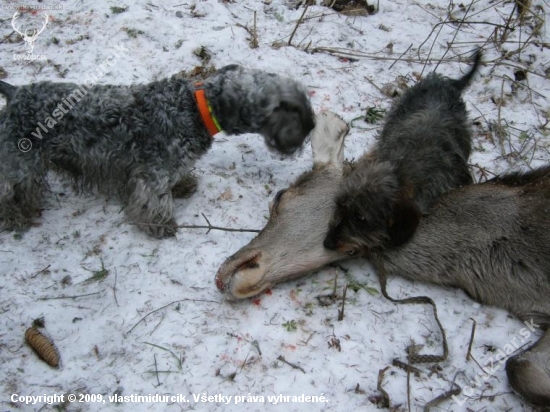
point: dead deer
(489, 239)
(422, 153)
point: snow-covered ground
(155, 323)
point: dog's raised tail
(464, 81)
(7, 90)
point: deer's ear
(404, 221)
(327, 140)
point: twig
(178, 360)
(432, 46)
(114, 288)
(385, 397)
(305, 37)
(471, 340)
(165, 306)
(68, 297)
(304, 343)
(454, 391)
(211, 227)
(504, 35)
(320, 15)
(341, 311)
(292, 365)
(374, 85)
(7, 37)
(449, 44)
(498, 62)
(255, 34)
(484, 172)
(406, 367)
(499, 127)
(402, 54)
(257, 346)
(40, 271)
(409, 385)
(344, 52)
(297, 24)
(156, 371)
(245, 359)
(479, 365)
(158, 324)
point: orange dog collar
(205, 110)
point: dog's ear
(404, 221)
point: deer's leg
(529, 372)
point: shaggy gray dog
(140, 141)
(422, 153)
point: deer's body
(490, 239)
(493, 241)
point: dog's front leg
(149, 203)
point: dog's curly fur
(422, 153)
(139, 140)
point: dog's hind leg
(22, 186)
(185, 187)
(149, 202)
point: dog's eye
(352, 252)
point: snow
(156, 324)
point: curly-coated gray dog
(138, 140)
(422, 153)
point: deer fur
(489, 239)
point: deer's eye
(278, 197)
(276, 200)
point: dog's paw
(161, 230)
(185, 187)
(170, 229)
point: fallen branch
(406, 367)
(114, 288)
(385, 397)
(345, 52)
(449, 44)
(8, 36)
(341, 311)
(211, 227)
(68, 297)
(292, 365)
(40, 271)
(297, 24)
(255, 35)
(399, 58)
(468, 354)
(455, 391)
(165, 306)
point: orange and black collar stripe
(205, 110)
